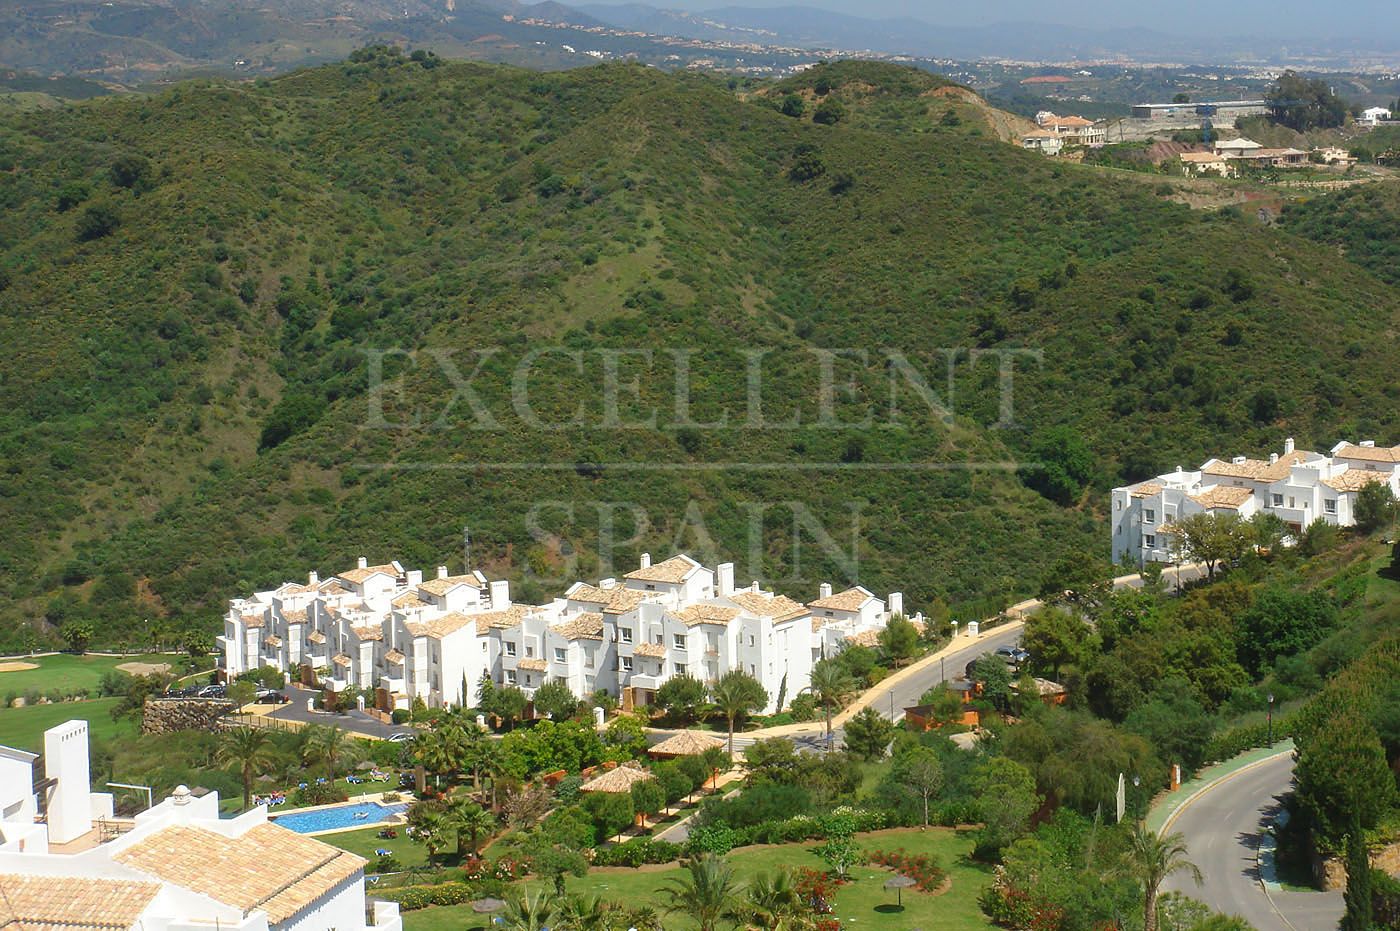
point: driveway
(354, 720)
(1222, 827)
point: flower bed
(926, 872)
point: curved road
(1222, 827)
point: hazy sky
(1279, 18)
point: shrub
(97, 221)
(386, 863)
(401, 715)
(717, 839)
(318, 793)
(637, 851)
(923, 869)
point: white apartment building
(66, 862)
(385, 628)
(1298, 486)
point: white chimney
(646, 561)
(606, 583)
(755, 587)
(825, 590)
(500, 595)
(725, 571)
(66, 762)
(1367, 443)
(362, 563)
(442, 572)
(1288, 446)
(896, 602)
(1273, 457)
(312, 578)
(1179, 470)
(415, 577)
(181, 796)
(1238, 460)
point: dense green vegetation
(1359, 221)
(193, 279)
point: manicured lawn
(411, 854)
(24, 727)
(67, 672)
(856, 903)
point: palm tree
(470, 821)
(707, 892)
(830, 685)
(530, 912)
(251, 750)
(1150, 860)
(775, 902)
(329, 748)
(587, 913)
(737, 693)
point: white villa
(1298, 486)
(388, 629)
(67, 863)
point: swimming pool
(356, 815)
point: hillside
(193, 280)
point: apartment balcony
(651, 681)
(392, 684)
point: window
(1168, 515)
(680, 669)
(1292, 501)
(484, 645)
(828, 614)
(658, 640)
(1330, 505)
(1149, 516)
(650, 587)
(624, 634)
(529, 650)
(751, 640)
(678, 641)
(627, 664)
(510, 648)
(560, 655)
(588, 660)
(510, 677)
(1278, 501)
(528, 679)
(1150, 540)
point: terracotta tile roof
(533, 664)
(765, 604)
(294, 617)
(866, 638)
(394, 657)
(1145, 489)
(817, 624)
(359, 576)
(1369, 453)
(443, 586)
(706, 614)
(340, 659)
(316, 637)
(71, 903)
(617, 780)
(1072, 121)
(615, 600)
(440, 627)
(672, 571)
(364, 634)
(653, 650)
(1258, 469)
(267, 867)
(1201, 158)
(294, 588)
(331, 587)
(849, 600)
(1354, 480)
(585, 626)
(252, 621)
(272, 640)
(1223, 496)
(408, 601)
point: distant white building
(1235, 148)
(1297, 486)
(1043, 141)
(1373, 115)
(387, 629)
(67, 863)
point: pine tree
(1358, 891)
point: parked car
(1012, 655)
(212, 691)
(402, 737)
(269, 697)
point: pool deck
(395, 820)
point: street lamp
(1271, 719)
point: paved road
(352, 720)
(1222, 828)
(908, 693)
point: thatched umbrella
(619, 780)
(899, 883)
(686, 743)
